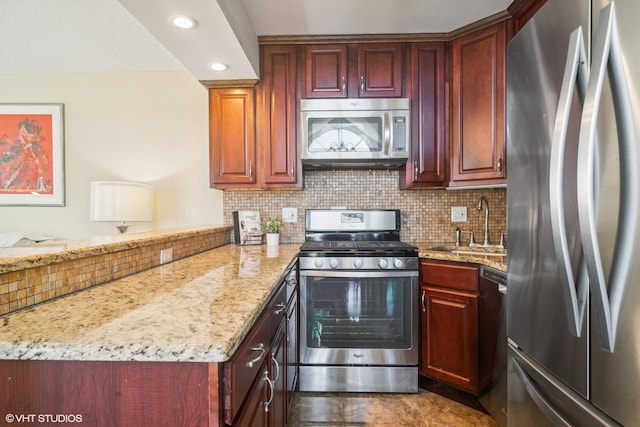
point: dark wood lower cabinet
(267, 360)
(450, 354)
(118, 394)
(459, 315)
(254, 413)
(278, 400)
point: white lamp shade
(121, 201)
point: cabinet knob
(361, 85)
(500, 164)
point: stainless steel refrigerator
(573, 272)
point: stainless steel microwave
(355, 132)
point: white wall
(149, 127)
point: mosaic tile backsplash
(426, 213)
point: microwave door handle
(386, 126)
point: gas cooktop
(357, 246)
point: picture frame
(32, 154)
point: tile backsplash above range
(426, 214)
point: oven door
(359, 318)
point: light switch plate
(459, 214)
(290, 214)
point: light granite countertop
(426, 250)
(52, 251)
(198, 308)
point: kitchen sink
(485, 251)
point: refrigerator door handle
(575, 74)
(607, 298)
(547, 408)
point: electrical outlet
(166, 255)
(290, 214)
(459, 214)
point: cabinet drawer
(292, 283)
(276, 310)
(449, 275)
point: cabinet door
(478, 107)
(292, 345)
(232, 146)
(254, 413)
(427, 162)
(326, 71)
(450, 337)
(278, 401)
(278, 118)
(379, 70)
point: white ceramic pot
(273, 239)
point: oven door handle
(356, 274)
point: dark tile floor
(378, 409)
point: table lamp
(121, 202)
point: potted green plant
(272, 226)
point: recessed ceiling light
(219, 66)
(183, 21)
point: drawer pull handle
(290, 328)
(268, 402)
(280, 308)
(277, 365)
(262, 351)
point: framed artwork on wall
(32, 155)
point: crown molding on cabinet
(221, 84)
(377, 38)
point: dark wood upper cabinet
(326, 71)
(363, 70)
(478, 152)
(427, 162)
(277, 113)
(232, 147)
(379, 70)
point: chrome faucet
(486, 218)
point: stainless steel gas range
(359, 303)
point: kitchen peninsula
(145, 349)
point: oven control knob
(333, 263)
(382, 263)
(398, 263)
(318, 263)
(357, 263)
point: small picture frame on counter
(246, 228)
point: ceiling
(135, 35)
